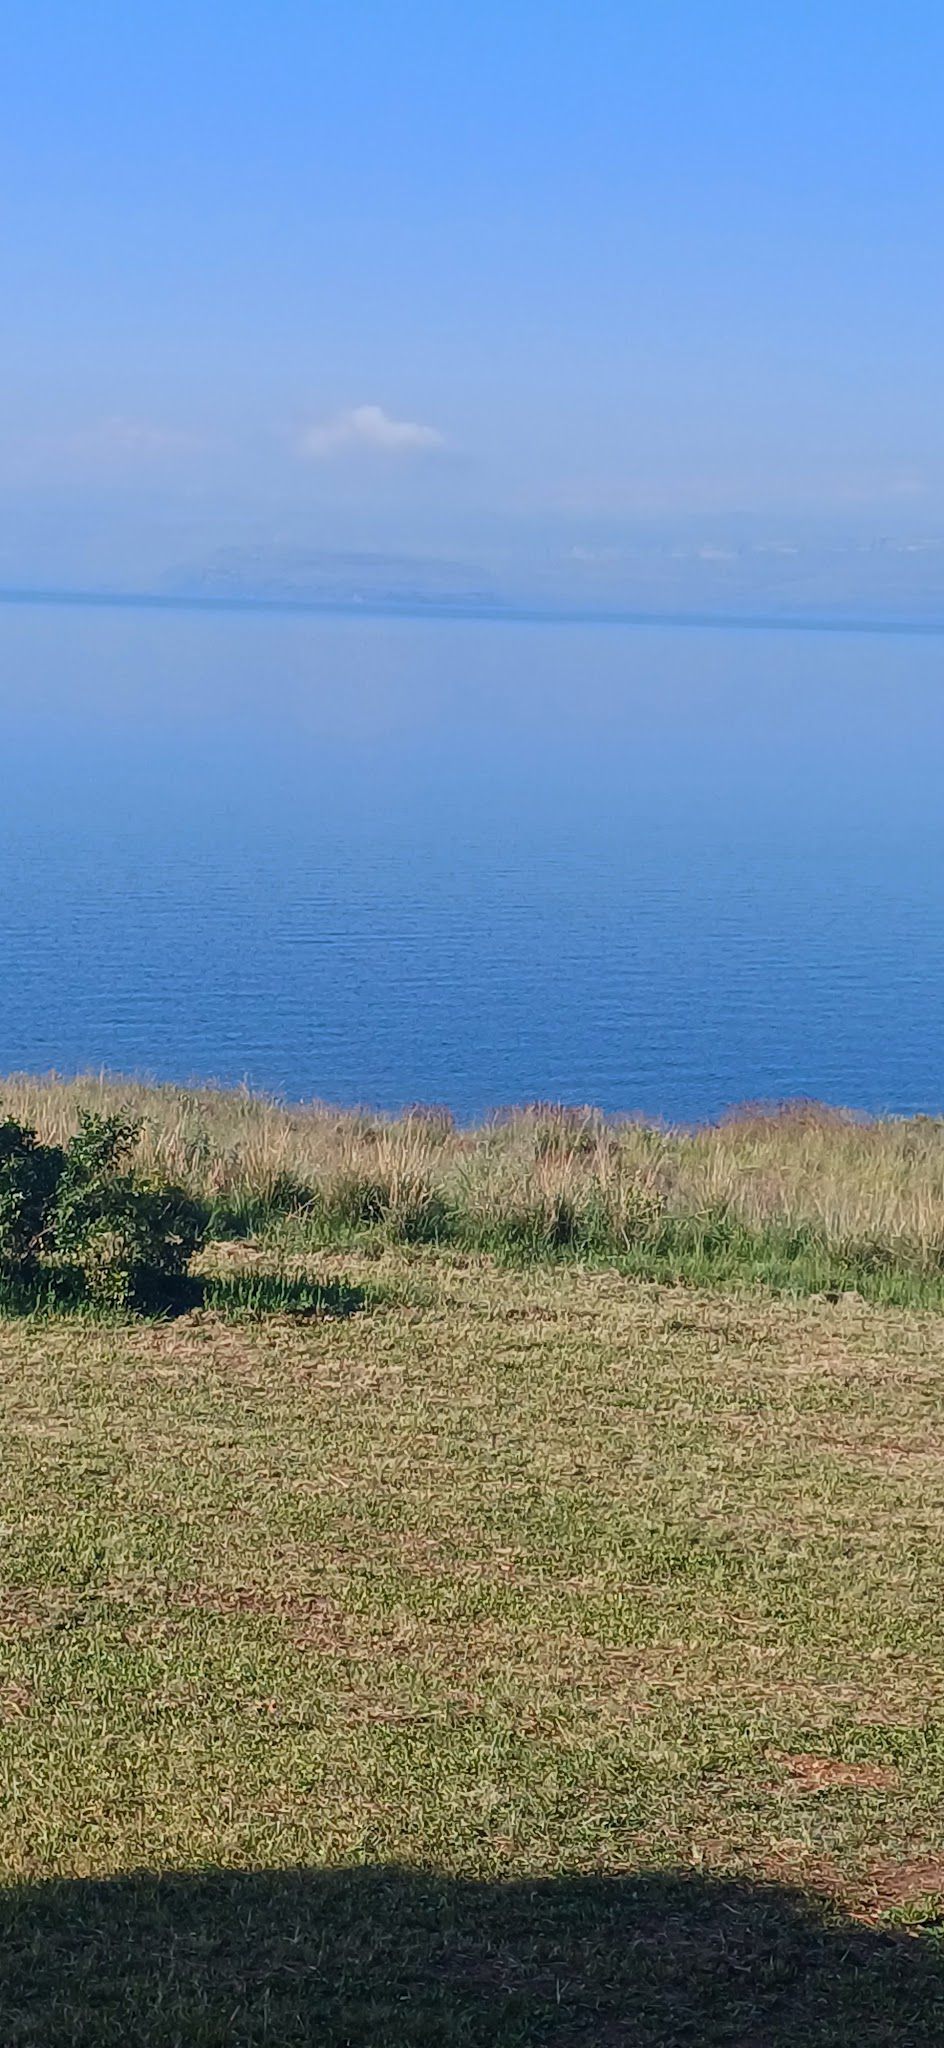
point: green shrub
(29, 1176)
(130, 1237)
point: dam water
(474, 862)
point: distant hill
(343, 578)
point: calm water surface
(387, 861)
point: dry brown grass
(873, 1185)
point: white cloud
(368, 428)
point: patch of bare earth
(892, 1885)
(832, 1774)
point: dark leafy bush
(29, 1176)
(130, 1237)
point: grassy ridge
(799, 1197)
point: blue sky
(602, 298)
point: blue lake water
(389, 860)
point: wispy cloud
(367, 428)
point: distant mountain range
(882, 581)
(308, 575)
(748, 579)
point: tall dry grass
(541, 1175)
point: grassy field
(406, 1647)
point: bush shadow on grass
(242, 1295)
(405, 1959)
(258, 1295)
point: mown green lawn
(503, 1657)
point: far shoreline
(93, 599)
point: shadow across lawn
(249, 1293)
(399, 1958)
(240, 1293)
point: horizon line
(496, 613)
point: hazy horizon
(627, 311)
